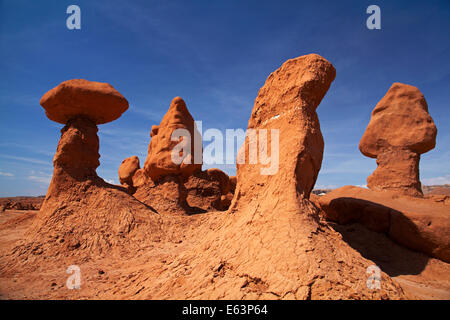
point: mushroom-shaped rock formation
(271, 244)
(399, 130)
(81, 210)
(127, 169)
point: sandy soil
(124, 278)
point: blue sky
(216, 55)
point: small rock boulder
(127, 169)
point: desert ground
(420, 276)
(172, 230)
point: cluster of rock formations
(177, 188)
(399, 130)
(271, 242)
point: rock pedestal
(81, 211)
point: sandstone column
(399, 130)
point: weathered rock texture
(182, 188)
(97, 101)
(81, 210)
(127, 169)
(166, 196)
(399, 130)
(418, 224)
(21, 203)
(159, 159)
(209, 190)
(160, 184)
(271, 243)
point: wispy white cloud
(149, 114)
(436, 180)
(352, 166)
(26, 159)
(40, 177)
(6, 174)
(41, 150)
(325, 186)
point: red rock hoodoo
(160, 184)
(286, 252)
(399, 130)
(270, 244)
(159, 160)
(179, 188)
(80, 209)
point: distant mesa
(399, 130)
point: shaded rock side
(418, 224)
(209, 190)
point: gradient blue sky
(216, 55)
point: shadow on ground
(392, 258)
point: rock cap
(399, 120)
(98, 101)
